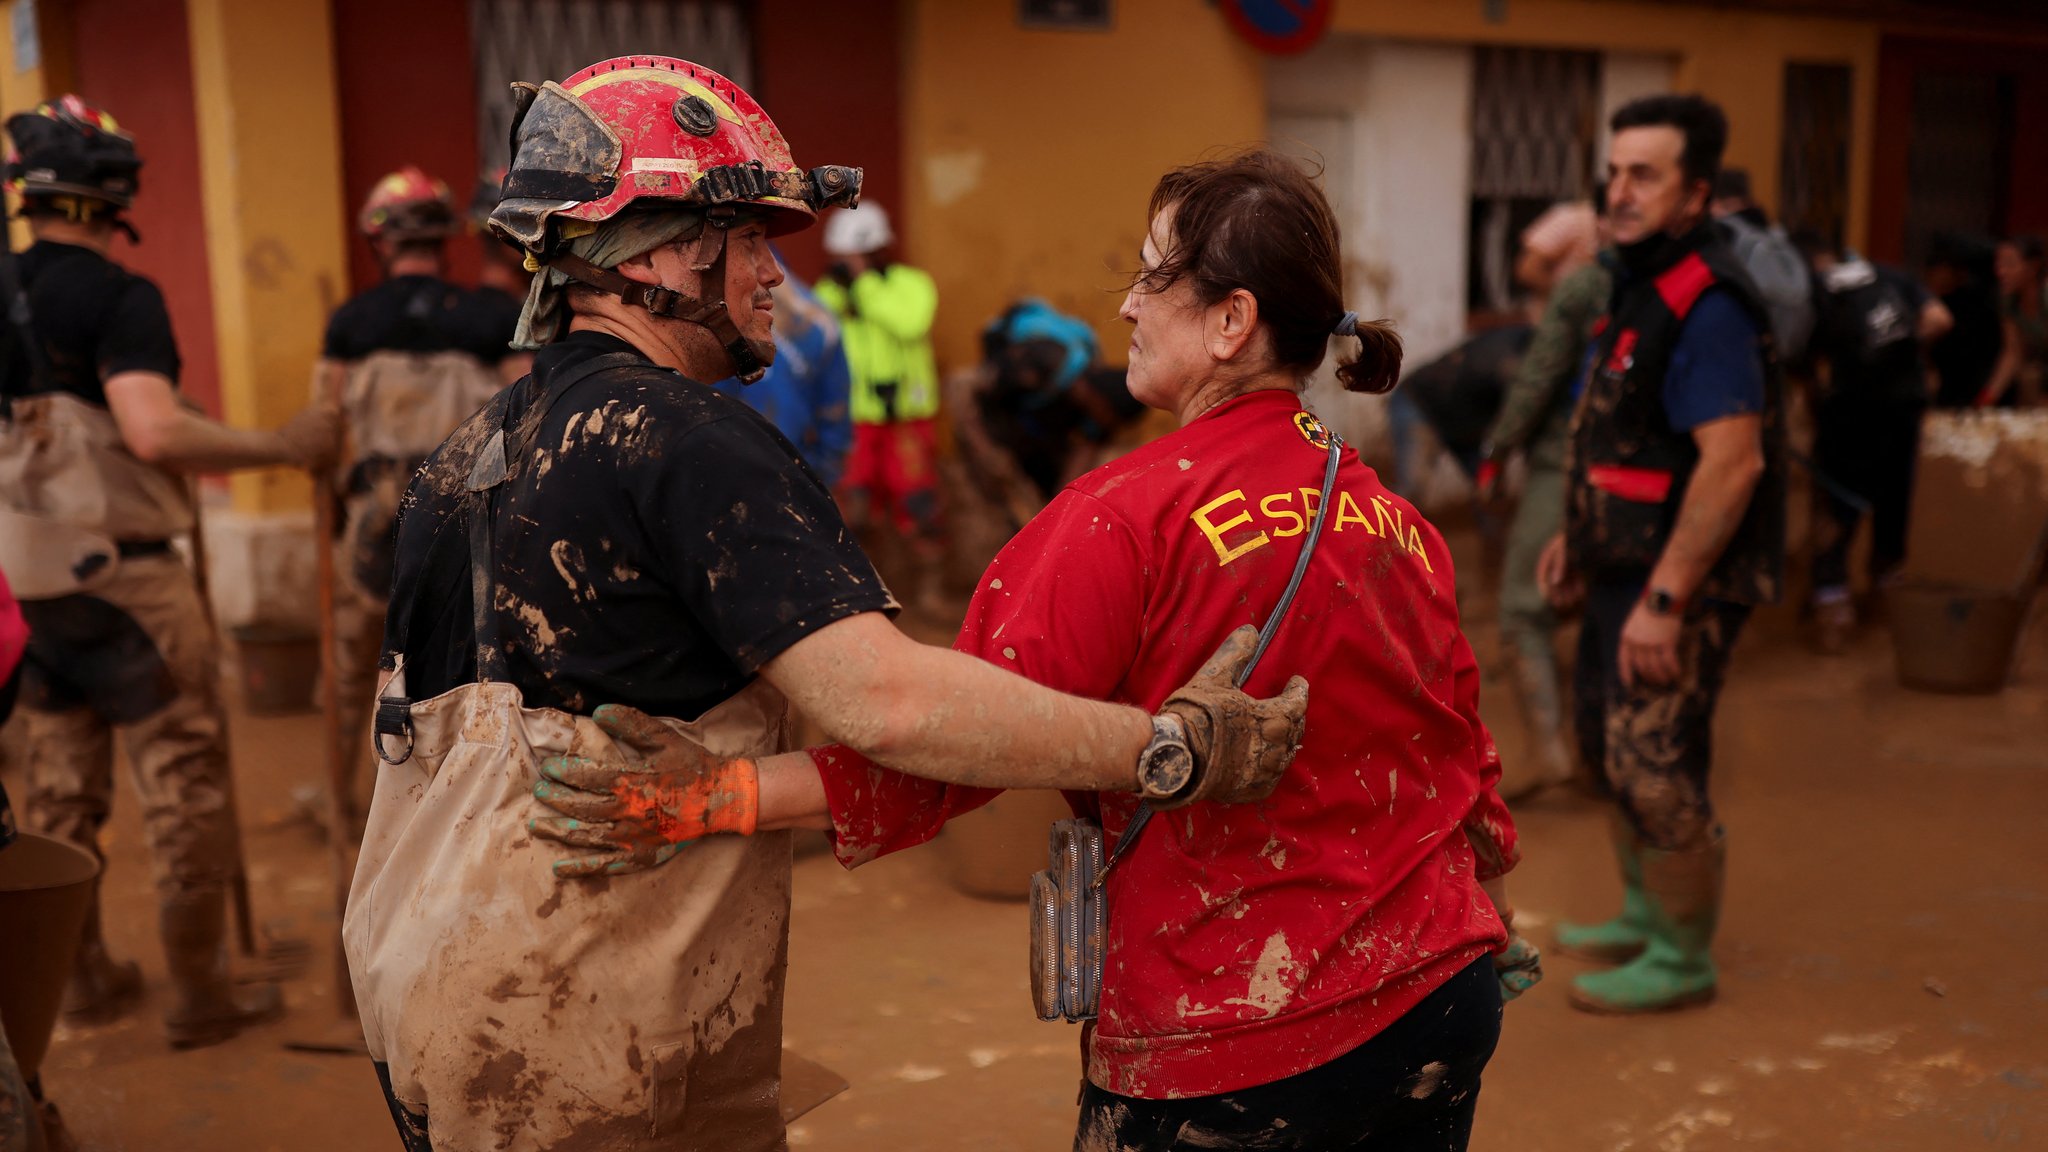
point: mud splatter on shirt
(633, 564)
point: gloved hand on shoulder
(1241, 745)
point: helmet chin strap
(750, 358)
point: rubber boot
(209, 1007)
(1676, 967)
(1621, 939)
(101, 988)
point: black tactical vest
(1629, 468)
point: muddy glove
(312, 437)
(638, 805)
(1518, 966)
(1240, 745)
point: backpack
(1781, 278)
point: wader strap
(492, 468)
(21, 327)
(486, 475)
(1272, 626)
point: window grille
(538, 40)
(1535, 117)
(1813, 168)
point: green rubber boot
(1621, 939)
(1676, 967)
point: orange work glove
(651, 795)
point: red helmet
(408, 205)
(655, 128)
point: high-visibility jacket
(886, 322)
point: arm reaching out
(928, 711)
(160, 429)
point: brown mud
(1880, 955)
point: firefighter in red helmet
(96, 446)
(613, 559)
(404, 362)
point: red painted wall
(407, 96)
(129, 57)
(1900, 60)
(831, 76)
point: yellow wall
(1736, 58)
(1030, 153)
(270, 168)
(24, 88)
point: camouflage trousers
(1654, 745)
(135, 656)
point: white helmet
(857, 231)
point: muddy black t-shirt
(660, 543)
(94, 319)
(422, 314)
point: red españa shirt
(1247, 943)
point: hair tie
(1347, 324)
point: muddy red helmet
(67, 147)
(408, 205)
(639, 128)
(640, 131)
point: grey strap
(1266, 631)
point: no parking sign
(1279, 27)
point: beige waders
(398, 406)
(510, 1010)
(516, 1011)
(125, 646)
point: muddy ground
(1884, 983)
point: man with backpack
(1872, 327)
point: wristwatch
(1661, 602)
(1166, 767)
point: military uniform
(1535, 418)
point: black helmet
(66, 147)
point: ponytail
(1377, 366)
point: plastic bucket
(279, 668)
(45, 891)
(1948, 638)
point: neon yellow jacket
(886, 322)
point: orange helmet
(408, 205)
(639, 129)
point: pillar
(270, 164)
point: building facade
(1016, 141)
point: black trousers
(412, 1127)
(1868, 449)
(1412, 1088)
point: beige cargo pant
(136, 656)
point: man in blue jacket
(805, 391)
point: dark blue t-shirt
(1715, 372)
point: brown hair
(1259, 222)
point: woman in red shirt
(1316, 969)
